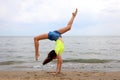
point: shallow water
(18, 52)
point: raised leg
(69, 25)
(36, 43)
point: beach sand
(65, 75)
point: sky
(35, 17)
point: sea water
(81, 53)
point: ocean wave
(87, 61)
(10, 62)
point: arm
(59, 64)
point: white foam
(37, 66)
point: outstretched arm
(69, 25)
(59, 65)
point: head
(51, 55)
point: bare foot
(36, 57)
(75, 13)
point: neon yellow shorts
(59, 48)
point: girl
(54, 36)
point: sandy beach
(65, 75)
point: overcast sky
(34, 17)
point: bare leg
(36, 43)
(69, 25)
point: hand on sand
(75, 13)
(54, 73)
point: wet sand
(65, 75)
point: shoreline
(106, 67)
(64, 75)
(79, 71)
